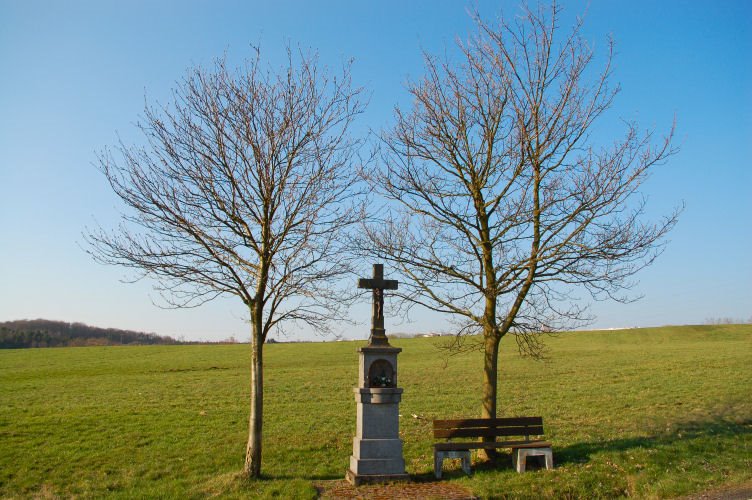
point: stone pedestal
(377, 448)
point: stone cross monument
(377, 448)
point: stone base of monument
(377, 448)
(359, 479)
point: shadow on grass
(576, 453)
(326, 477)
(502, 462)
(718, 429)
(288, 477)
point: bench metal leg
(440, 456)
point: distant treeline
(728, 321)
(45, 333)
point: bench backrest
(488, 427)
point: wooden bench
(522, 427)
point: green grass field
(648, 413)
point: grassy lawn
(657, 412)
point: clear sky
(74, 74)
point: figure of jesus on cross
(378, 284)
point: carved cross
(378, 284)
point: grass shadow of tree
(578, 453)
(680, 432)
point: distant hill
(46, 333)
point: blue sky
(74, 75)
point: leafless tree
(505, 204)
(243, 188)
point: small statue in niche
(381, 374)
(381, 380)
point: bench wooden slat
(489, 445)
(488, 432)
(487, 422)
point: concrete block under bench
(519, 457)
(439, 457)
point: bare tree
(244, 188)
(505, 204)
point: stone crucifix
(378, 284)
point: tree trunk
(252, 467)
(490, 384)
(490, 376)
